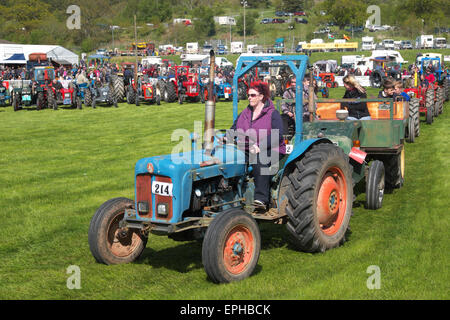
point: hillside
(46, 21)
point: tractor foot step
(270, 215)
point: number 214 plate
(162, 188)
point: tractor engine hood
(180, 171)
(226, 160)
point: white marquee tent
(19, 53)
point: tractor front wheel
(231, 246)
(319, 190)
(109, 243)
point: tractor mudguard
(301, 147)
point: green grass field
(58, 167)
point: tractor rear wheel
(109, 243)
(231, 246)
(411, 130)
(40, 101)
(170, 92)
(446, 89)
(375, 185)
(319, 190)
(440, 100)
(118, 87)
(51, 100)
(15, 103)
(87, 97)
(429, 105)
(415, 114)
(79, 103)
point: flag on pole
(330, 36)
(346, 37)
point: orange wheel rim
(238, 250)
(332, 201)
(121, 243)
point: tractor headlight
(143, 207)
(162, 209)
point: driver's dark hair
(261, 88)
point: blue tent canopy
(17, 56)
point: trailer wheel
(375, 185)
(319, 190)
(108, 243)
(231, 246)
(395, 170)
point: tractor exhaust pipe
(210, 107)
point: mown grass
(58, 167)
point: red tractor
(69, 96)
(186, 84)
(328, 80)
(145, 90)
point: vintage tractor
(207, 192)
(99, 92)
(429, 96)
(328, 79)
(189, 88)
(5, 97)
(68, 97)
(145, 90)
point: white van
(367, 43)
(440, 43)
(388, 44)
(220, 62)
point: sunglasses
(252, 95)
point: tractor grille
(147, 202)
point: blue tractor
(207, 193)
(5, 97)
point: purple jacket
(260, 129)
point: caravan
(424, 42)
(237, 47)
(192, 47)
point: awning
(16, 58)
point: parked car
(301, 20)
(279, 13)
(266, 20)
(406, 44)
(276, 20)
(300, 13)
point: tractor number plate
(26, 98)
(162, 188)
(227, 95)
